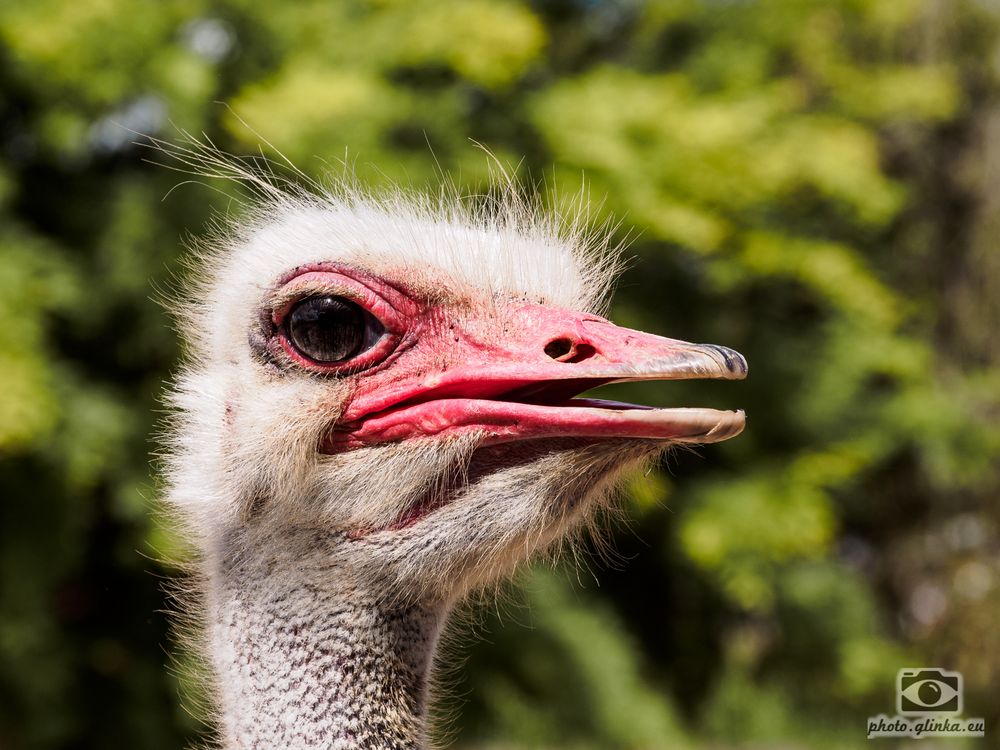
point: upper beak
(520, 385)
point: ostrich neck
(306, 660)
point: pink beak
(519, 384)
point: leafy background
(815, 183)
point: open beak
(522, 386)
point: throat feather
(306, 658)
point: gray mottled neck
(305, 660)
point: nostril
(558, 348)
(566, 350)
(581, 352)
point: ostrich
(376, 417)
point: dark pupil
(327, 329)
(929, 692)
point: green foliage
(808, 181)
(33, 281)
(584, 663)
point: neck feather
(304, 658)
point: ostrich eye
(331, 329)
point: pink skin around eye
(391, 307)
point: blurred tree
(814, 183)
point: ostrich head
(404, 380)
(379, 398)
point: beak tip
(730, 427)
(735, 363)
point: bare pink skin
(444, 369)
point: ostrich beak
(520, 384)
